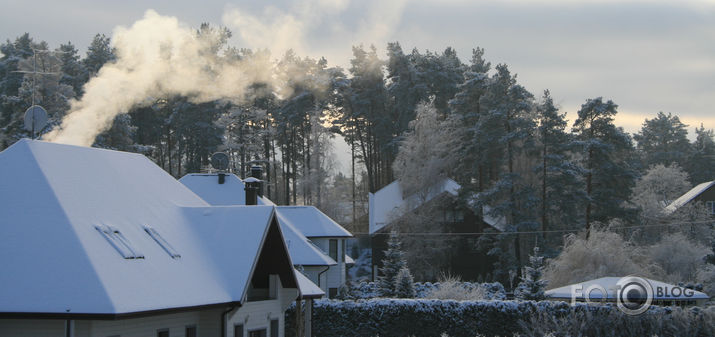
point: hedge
(409, 317)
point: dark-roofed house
(96, 242)
(704, 193)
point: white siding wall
(312, 273)
(258, 314)
(335, 274)
(32, 328)
(207, 323)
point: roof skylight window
(162, 242)
(119, 242)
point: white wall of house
(335, 274)
(253, 315)
(315, 272)
(257, 315)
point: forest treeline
(414, 116)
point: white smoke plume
(156, 57)
(159, 57)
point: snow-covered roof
(349, 260)
(611, 284)
(311, 222)
(301, 250)
(70, 216)
(231, 192)
(308, 220)
(389, 203)
(689, 196)
(307, 288)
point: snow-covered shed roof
(611, 284)
(689, 196)
(389, 203)
(308, 220)
(89, 231)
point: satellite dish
(219, 161)
(35, 119)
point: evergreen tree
(73, 72)
(606, 154)
(663, 140)
(701, 165)
(393, 262)
(559, 175)
(532, 286)
(404, 284)
(99, 52)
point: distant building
(317, 244)
(96, 242)
(663, 293)
(704, 193)
(389, 206)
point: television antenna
(35, 115)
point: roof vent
(119, 242)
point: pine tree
(393, 262)
(663, 140)
(532, 285)
(404, 284)
(701, 164)
(606, 155)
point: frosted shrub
(451, 288)
(679, 257)
(404, 285)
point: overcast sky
(647, 56)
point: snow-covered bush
(404, 284)
(451, 288)
(603, 253)
(491, 291)
(679, 257)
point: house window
(274, 328)
(333, 249)
(238, 330)
(119, 242)
(190, 331)
(332, 292)
(163, 243)
(343, 250)
(257, 333)
(162, 333)
(711, 207)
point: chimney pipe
(257, 172)
(252, 185)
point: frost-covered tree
(605, 154)
(659, 186)
(532, 285)
(679, 257)
(425, 156)
(663, 140)
(404, 284)
(99, 52)
(393, 262)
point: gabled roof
(689, 196)
(308, 220)
(611, 284)
(58, 202)
(389, 203)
